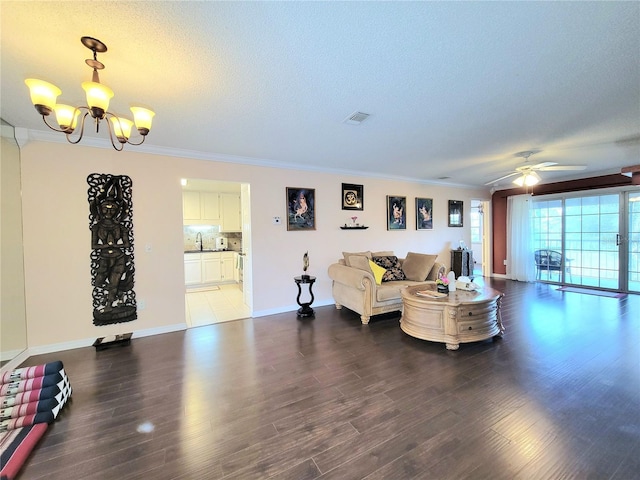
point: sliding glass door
(597, 238)
(633, 241)
(591, 250)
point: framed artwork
(455, 213)
(352, 196)
(301, 214)
(396, 213)
(424, 209)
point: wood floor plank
(277, 397)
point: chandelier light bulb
(121, 128)
(67, 117)
(98, 97)
(143, 118)
(43, 95)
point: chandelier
(44, 95)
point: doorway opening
(216, 244)
(479, 245)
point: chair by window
(551, 261)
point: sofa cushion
(361, 262)
(391, 291)
(418, 265)
(377, 270)
(392, 266)
(385, 253)
(346, 256)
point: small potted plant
(442, 284)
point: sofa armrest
(437, 270)
(350, 276)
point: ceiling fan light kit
(44, 96)
(527, 179)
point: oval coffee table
(458, 317)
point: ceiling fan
(528, 175)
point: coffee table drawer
(485, 328)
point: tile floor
(222, 304)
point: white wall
(58, 241)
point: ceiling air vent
(356, 118)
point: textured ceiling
(454, 89)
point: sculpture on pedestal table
(305, 264)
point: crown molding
(55, 137)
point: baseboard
(87, 342)
(10, 354)
(290, 308)
(15, 362)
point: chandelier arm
(111, 132)
(44, 117)
(68, 134)
(139, 143)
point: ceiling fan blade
(562, 167)
(502, 178)
(542, 165)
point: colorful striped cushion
(31, 372)
(15, 447)
(32, 384)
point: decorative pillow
(346, 256)
(361, 262)
(418, 265)
(392, 266)
(378, 271)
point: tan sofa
(354, 284)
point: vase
(443, 288)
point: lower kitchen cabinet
(209, 267)
(192, 269)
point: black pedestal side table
(305, 309)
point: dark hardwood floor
(557, 398)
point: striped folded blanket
(31, 372)
(60, 394)
(30, 399)
(15, 447)
(36, 383)
(34, 399)
(22, 409)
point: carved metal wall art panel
(112, 267)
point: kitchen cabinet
(209, 267)
(230, 212)
(212, 208)
(227, 266)
(192, 269)
(200, 208)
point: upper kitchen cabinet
(230, 212)
(201, 208)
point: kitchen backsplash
(209, 235)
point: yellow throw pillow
(377, 271)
